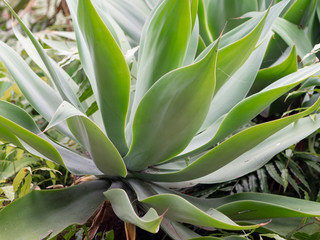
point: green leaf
(102, 151)
(270, 235)
(272, 171)
(299, 12)
(192, 45)
(299, 174)
(23, 126)
(180, 209)
(268, 75)
(263, 179)
(225, 14)
(18, 179)
(247, 206)
(104, 12)
(287, 226)
(121, 205)
(237, 87)
(60, 82)
(130, 15)
(231, 149)
(233, 56)
(177, 230)
(171, 112)
(251, 106)
(50, 211)
(163, 45)
(258, 156)
(26, 185)
(39, 94)
(9, 168)
(8, 192)
(293, 35)
(112, 77)
(9, 111)
(203, 24)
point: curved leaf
(293, 35)
(102, 151)
(112, 76)
(237, 87)
(233, 56)
(176, 230)
(225, 14)
(163, 46)
(26, 129)
(230, 149)
(50, 211)
(247, 206)
(171, 112)
(237, 206)
(181, 208)
(268, 75)
(251, 106)
(300, 11)
(203, 24)
(60, 82)
(33, 54)
(178, 209)
(104, 12)
(28, 137)
(39, 94)
(122, 207)
(128, 14)
(263, 152)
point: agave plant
(172, 119)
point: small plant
(175, 118)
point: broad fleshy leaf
(23, 126)
(29, 138)
(263, 152)
(293, 35)
(233, 56)
(205, 35)
(300, 12)
(111, 85)
(268, 75)
(225, 14)
(48, 212)
(177, 230)
(172, 112)
(121, 205)
(33, 54)
(60, 82)
(237, 206)
(251, 106)
(230, 149)
(102, 151)
(237, 87)
(247, 206)
(39, 94)
(174, 207)
(130, 15)
(163, 46)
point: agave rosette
(173, 127)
